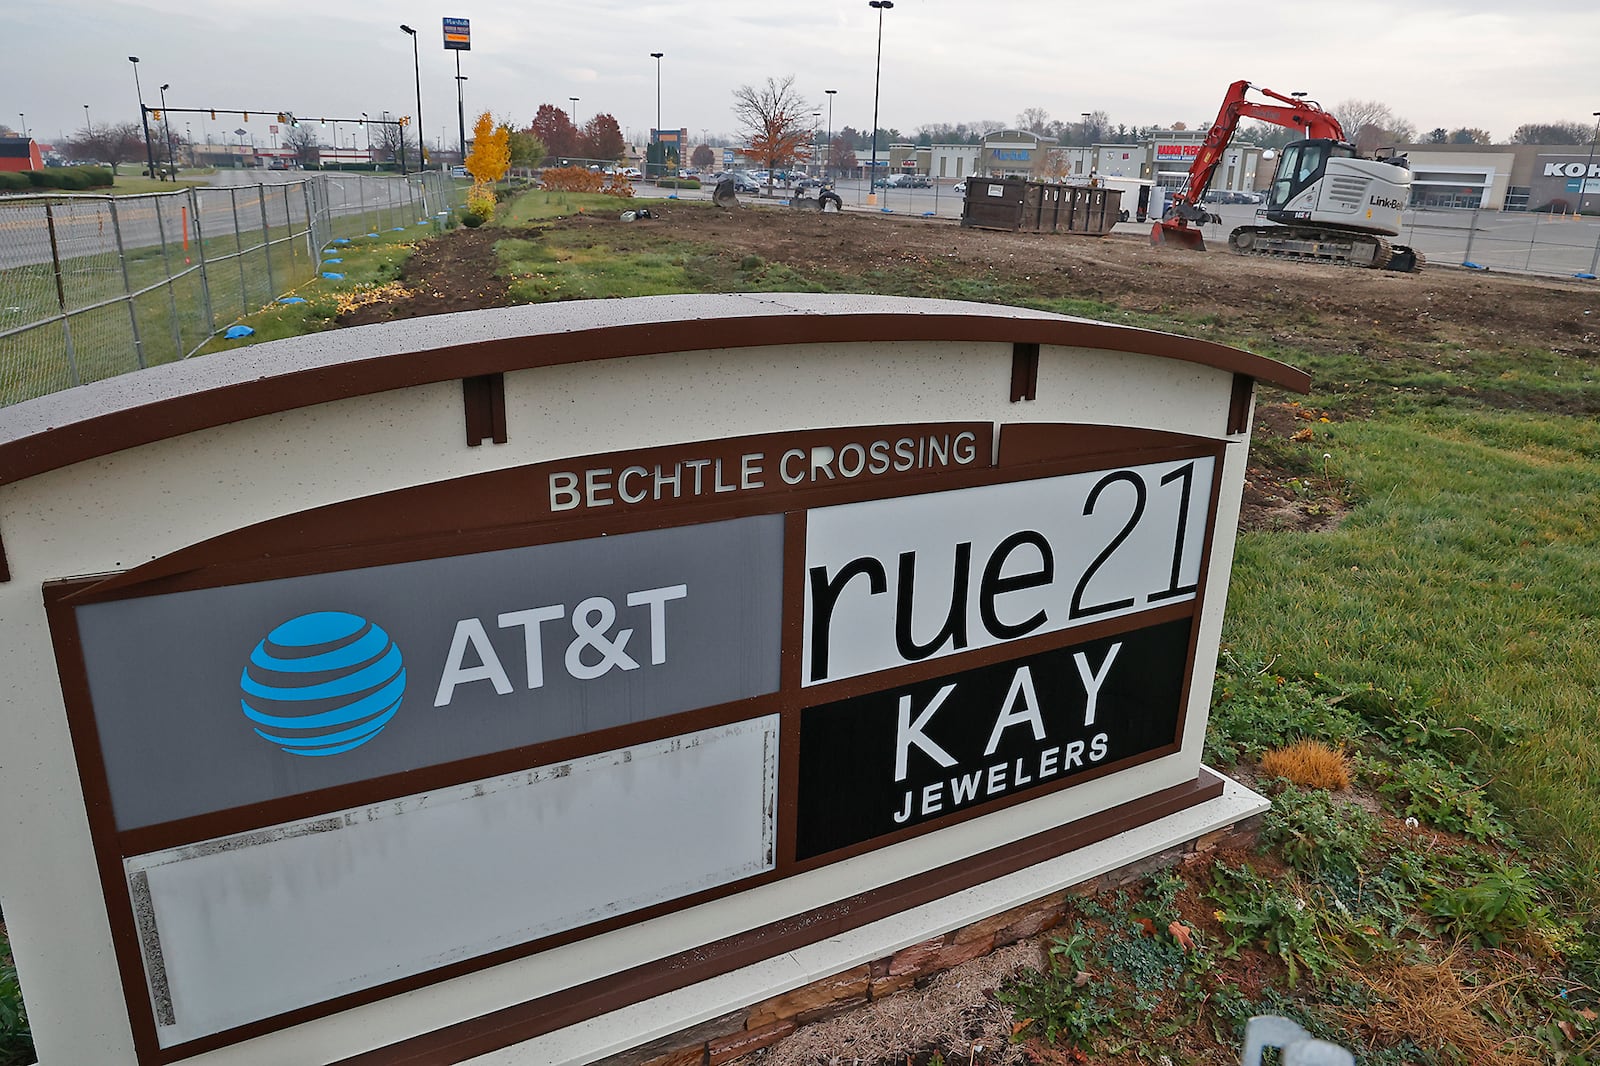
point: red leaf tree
(776, 119)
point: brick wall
(732, 1036)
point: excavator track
(1310, 244)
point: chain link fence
(94, 286)
(1523, 242)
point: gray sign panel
(223, 697)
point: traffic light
(281, 117)
(155, 114)
(405, 120)
(247, 116)
(213, 114)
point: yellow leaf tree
(490, 157)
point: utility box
(1040, 207)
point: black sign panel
(878, 763)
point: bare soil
(1293, 302)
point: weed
(1255, 910)
(1059, 1002)
(1316, 833)
(1501, 901)
(1255, 709)
(1445, 798)
(16, 1041)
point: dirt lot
(1320, 309)
(1290, 301)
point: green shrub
(11, 181)
(1503, 900)
(471, 219)
(16, 1042)
(98, 177)
(678, 183)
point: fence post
(312, 248)
(61, 291)
(166, 263)
(1595, 261)
(200, 249)
(238, 250)
(1533, 237)
(127, 283)
(266, 238)
(1472, 231)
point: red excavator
(1327, 203)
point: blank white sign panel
(250, 926)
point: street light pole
(416, 63)
(166, 126)
(661, 151)
(461, 112)
(828, 164)
(1583, 190)
(24, 119)
(877, 72)
(144, 116)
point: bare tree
(109, 143)
(776, 118)
(1034, 120)
(1371, 124)
(303, 139)
(1553, 133)
(390, 139)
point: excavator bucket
(1176, 233)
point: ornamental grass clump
(1309, 764)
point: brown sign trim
(165, 402)
(1027, 452)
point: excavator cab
(1328, 183)
(1301, 164)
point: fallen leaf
(1568, 1029)
(1183, 935)
(1146, 924)
(1083, 978)
(1302, 436)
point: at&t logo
(323, 683)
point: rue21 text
(897, 581)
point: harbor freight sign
(359, 738)
(458, 35)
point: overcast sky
(1450, 63)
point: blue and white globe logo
(323, 683)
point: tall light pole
(661, 151)
(828, 164)
(816, 124)
(166, 127)
(877, 72)
(144, 116)
(86, 124)
(1583, 190)
(461, 107)
(24, 119)
(416, 64)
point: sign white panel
(250, 926)
(897, 581)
